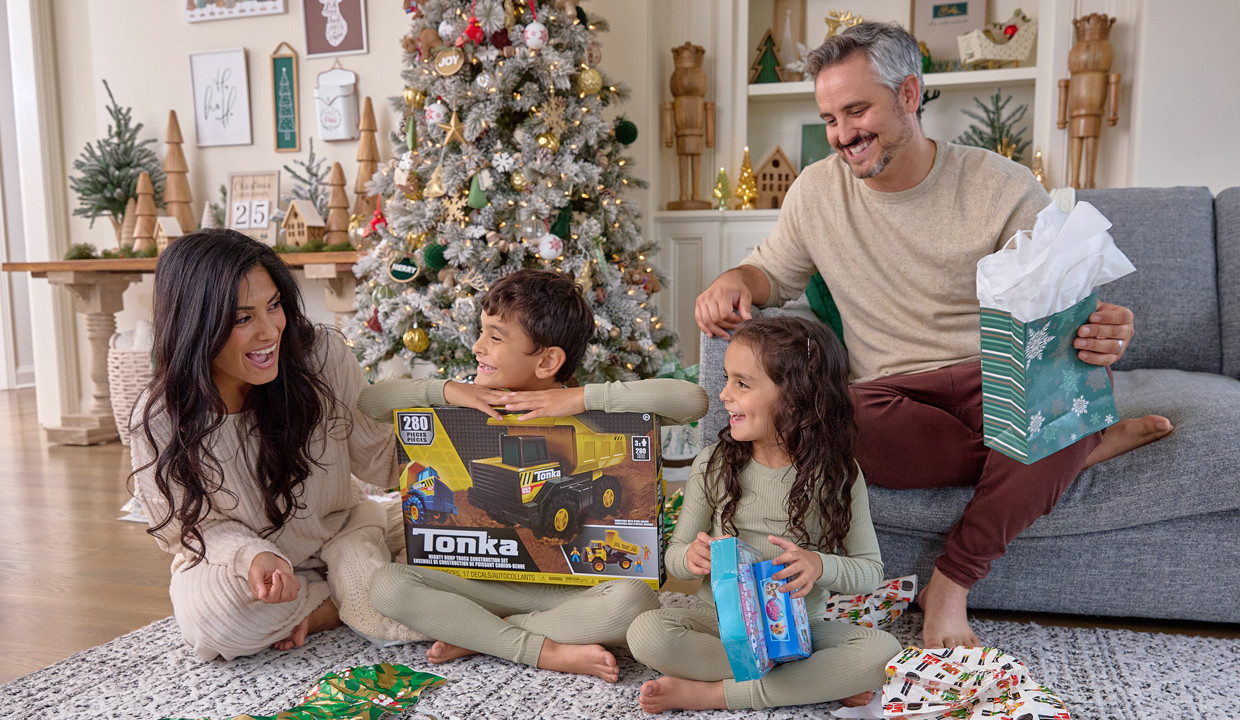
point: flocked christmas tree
(510, 163)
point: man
(895, 223)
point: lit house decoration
(302, 224)
(167, 229)
(774, 178)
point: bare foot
(580, 659)
(945, 605)
(442, 652)
(324, 617)
(861, 698)
(1128, 435)
(672, 693)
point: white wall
(17, 364)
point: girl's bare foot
(580, 659)
(672, 693)
(1128, 435)
(325, 617)
(861, 698)
(442, 652)
(945, 605)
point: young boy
(535, 328)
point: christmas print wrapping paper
(965, 683)
(878, 609)
(1038, 397)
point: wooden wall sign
(284, 89)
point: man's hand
(271, 579)
(698, 557)
(725, 304)
(474, 396)
(557, 402)
(806, 566)
(1106, 336)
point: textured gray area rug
(150, 673)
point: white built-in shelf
(963, 80)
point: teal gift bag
(1038, 397)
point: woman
(243, 444)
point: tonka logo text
(533, 480)
(464, 542)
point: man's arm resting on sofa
(727, 302)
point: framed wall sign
(221, 87)
(335, 27)
(284, 103)
(938, 22)
(814, 144)
(200, 10)
(252, 198)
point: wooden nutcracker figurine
(1083, 96)
(689, 120)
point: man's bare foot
(861, 698)
(580, 659)
(945, 605)
(442, 652)
(672, 693)
(1128, 435)
(325, 617)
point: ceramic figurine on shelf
(1083, 96)
(689, 123)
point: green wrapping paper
(367, 692)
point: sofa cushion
(1168, 233)
(1227, 220)
(1158, 482)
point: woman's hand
(558, 402)
(697, 559)
(805, 565)
(271, 579)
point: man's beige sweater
(901, 266)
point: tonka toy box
(759, 625)
(571, 500)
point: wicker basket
(128, 373)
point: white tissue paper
(1067, 257)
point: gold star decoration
(453, 130)
(552, 114)
(454, 209)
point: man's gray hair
(890, 49)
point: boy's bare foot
(442, 652)
(946, 622)
(861, 698)
(1128, 435)
(580, 659)
(325, 617)
(672, 693)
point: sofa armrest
(1227, 235)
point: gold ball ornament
(416, 339)
(415, 99)
(590, 81)
(549, 140)
(518, 180)
(614, 333)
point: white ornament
(484, 80)
(536, 35)
(503, 162)
(549, 247)
(446, 32)
(436, 113)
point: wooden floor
(73, 576)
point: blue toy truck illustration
(428, 496)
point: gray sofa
(1155, 532)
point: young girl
(243, 446)
(781, 478)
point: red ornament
(1010, 30)
(500, 39)
(474, 31)
(376, 222)
(373, 322)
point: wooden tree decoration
(177, 195)
(337, 209)
(765, 69)
(367, 162)
(144, 230)
(129, 223)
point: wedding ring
(1121, 346)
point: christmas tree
(997, 132)
(509, 163)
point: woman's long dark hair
(814, 424)
(195, 307)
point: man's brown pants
(924, 430)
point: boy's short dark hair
(551, 310)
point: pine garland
(109, 168)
